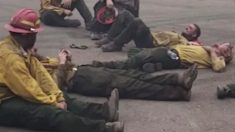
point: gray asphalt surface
(204, 113)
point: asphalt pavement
(204, 113)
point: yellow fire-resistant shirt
(168, 39)
(51, 64)
(51, 5)
(23, 75)
(190, 54)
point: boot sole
(220, 95)
(192, 77)
(115, 115)
(117, 98)
(120, 127)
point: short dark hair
(197, 31)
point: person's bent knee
(125, 15)
(48, 17)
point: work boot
(96, 63)
(222, 92)
(114, 127)
(113, 106)
(111, 47)
(187, 78)
(102, 41)
(152, 67)
(96, 36)
(73, 22)
(187, 95)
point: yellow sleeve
(54, 61)
(160, 39)
(47, 5)
(218, 64)
(51, 65)
(168, 39)
(45, 80)
(20, 82)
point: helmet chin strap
(33, 30)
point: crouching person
(54, 13)
(30, 98)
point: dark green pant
(154, 55)
(83, 117)
(133, 84)
(84, 11)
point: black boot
(96, 36)
(188, 77)
(186, 95)
(111, 47)
(103, 41)
(222, 92)
(96, 63)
